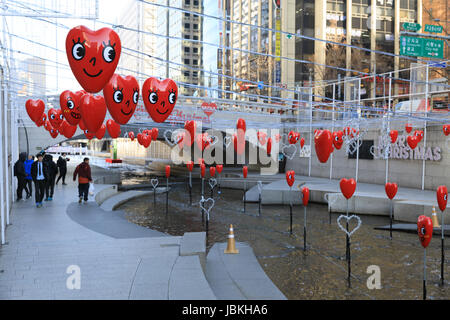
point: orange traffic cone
(231, 246)
(434, 218)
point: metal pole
(389, 109)
(424, 274)
(390, 218)
(290, 209)
(304, 228)
(310, 130)
(425, 128)
(167, 195)
(2, 185)
(190, 188)
(245, 187)
(5, 152)
(332, 129)
(357, 142)
(442, 248)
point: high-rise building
(212, 55)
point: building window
(186, 49)
(186, 36)
(194, 62)
(186, 61)
(195, 50)
(194, 74)
(195, 26)
(187, 15)
(187, 2)
(186, 73)
(187, 25)
(195, 2)
(195, 37)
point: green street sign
(421, 47)
(433, 29)
(410, 46)
(410, 26)
(433, 48)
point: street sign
(421, 47)
(438, 64)
(410, 46)
(410, 26)
(432, 48)
(433, 28)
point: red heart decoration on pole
(219, 168)
(70, 105)
(47, 125)
(202, 169)
(394, 135)
(293, 137)
(93, 111)
(302, 142)
(412, 141)
(209, 108)
(190, 165)
(446, 129)
(93, 56)
(348, 187)
(241, 126)
(155, 133)
(244, 171)
(167, 171)
(305, 196)
(408, 127)
(67, 130)
(139, 138)
(35, 109)
(442, 197)
(201, 161)
(391, 189)
(337, 139)
(113, 128)
(191, 127)
(101, 132)
(159, 98)
(269, 146)
(146, 140)
(212, 171)
(424, 230)
(121, 97)
(290, 177)
(323, 143)
(55, 117)
(131, 135)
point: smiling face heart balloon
(88, 134)
(305, 196)
(442, 196)
(412, 141)
(159, 98)
(113, 128)
(446, 129)
(337, 139)
(290, 177)
(70, 105)
(245, 171)
(53, 132)
(424, 230)
(391, 189)
(190, 165)
(93, 56)
(419, 134)
(41, 120)
(348, 187)
(121, 97)
(293, 137)
(101, 132)
(323, 143)
(55, 117)
(35, 109)
(93, 111)
(394, 135)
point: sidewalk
(117, 259)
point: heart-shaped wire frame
(212, 182)
(259, 184)
(288, 146)
(227, 141)
(348, 220)
(154, 182)
(176, 137)
(204, 201)
(169, 138)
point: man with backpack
(52, 170)
(62, 166)
(19, 172)
(83, 170)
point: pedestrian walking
(62, 167)
(40, 175)
(19, 172)
(52, 170)
(83, 170)
(28, 178)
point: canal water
(320, 272)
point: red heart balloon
(93, 56)
(212, 171)
(241, 126)
(41, 120)
(121, 97)
(93, 111)
(219, 168)
(202, 169)
(446, 129)
(394, 135)
(113, 128)
(55, 117)
(239, 143)
(159, 98)
(190, 165)
(337, 139)
(47, 125)
(154, 134)
(442, 196)
(131, 135)
(412, 141)
(82, 125)
(209, 108)
(70, 105)
(146, 140)
(305, 196)
(53, 132)
(290, 177)
(348, 187)
(391, 189)
(167, 171)
(244, 171)
(191, 128)
(302, 142)
(262, 137)
(139, 138)
(67, 130)
(89, 134)
(424, 230)
(419, 134)
(269, 146)
(408, 127)
(293, 137)
(100, 132)
(323, 143)
(200, 161)
(35, 109)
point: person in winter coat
(83, 170)
(28, 178)
(62, 166)
(39, 174)
(19, 172)
(52, 170)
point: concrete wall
(407, 173)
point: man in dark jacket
(39, 174)
(83, 170)
(62, 166)
(19, 172)
(52, 170)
